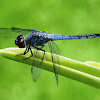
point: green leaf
(83, 72)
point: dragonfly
(37, 39)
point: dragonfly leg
(26, 51)
(41, 50)
(31, 52)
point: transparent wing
(55, 59)
(35, 71)
(13, 32)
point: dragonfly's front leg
(25, 52)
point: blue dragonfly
(38, 39)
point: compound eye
(20, 37)
(20, 41)
(16, 42)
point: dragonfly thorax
(20, 41)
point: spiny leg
(28, 51)
(41, 50)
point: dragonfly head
(20, 41)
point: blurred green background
(54, 16)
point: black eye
(20, 41)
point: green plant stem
(73, 69)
